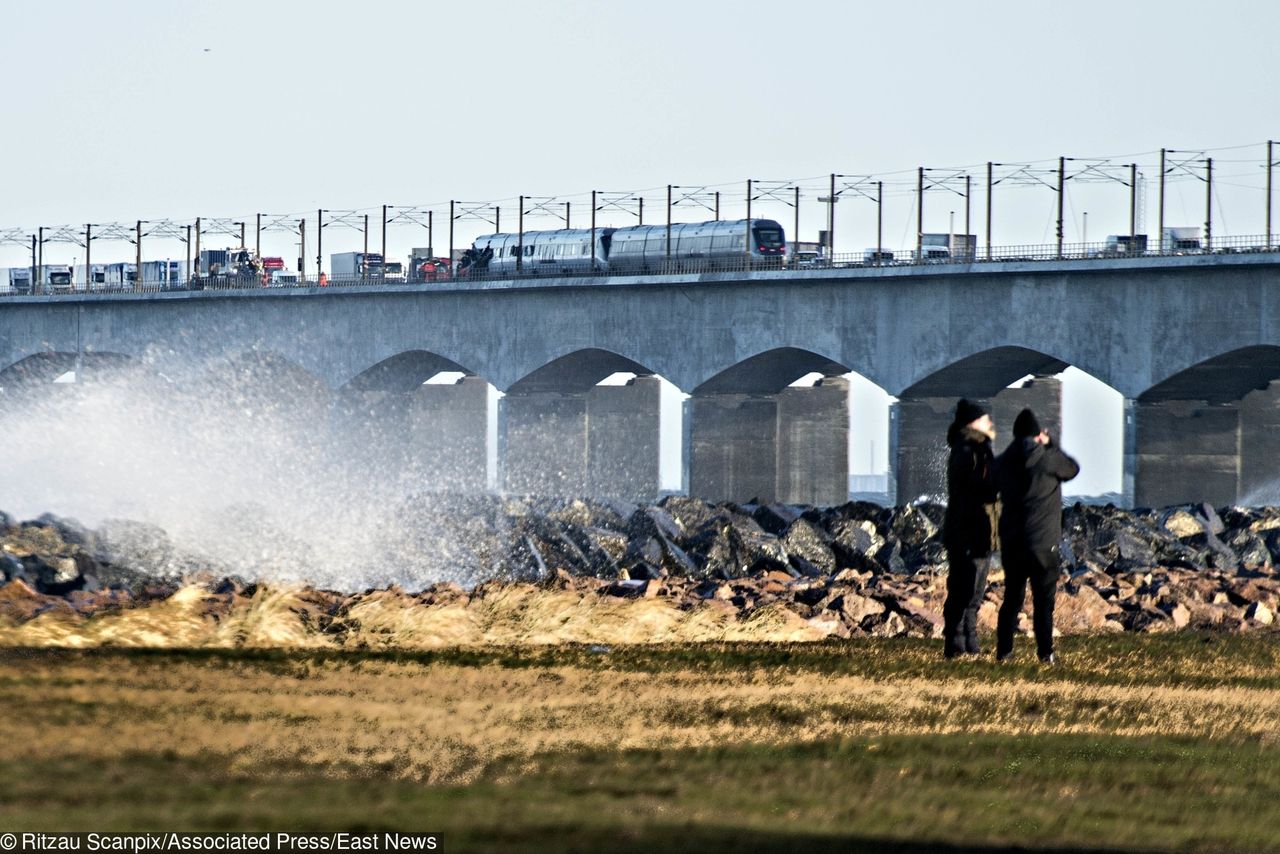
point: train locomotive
(634, 249)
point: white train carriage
(697, 246)
(544, 253)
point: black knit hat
(968, 412)
(1026, 425)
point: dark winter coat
(972, 508)
(1030, 476)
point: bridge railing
(11, 285)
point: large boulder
(806, 542)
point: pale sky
(172, 110)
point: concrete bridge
(1192, 343)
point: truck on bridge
(356, 265)
(57, 279)
(20, 280)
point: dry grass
(440, 722)
(507, 614)
(1137, 743)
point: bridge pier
(432, 437)
(602, 442)
(918, 432)
(792, 446)
(1187, 451)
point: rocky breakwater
(492, 570)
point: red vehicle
(270, 265)
(431, 269)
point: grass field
(1136, 743)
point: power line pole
(796, 238)
(1160, 236)
(1062, 195)
(1270, 163)
(879, 220)
(668, 253)
(1133, 205)
(919, 213)
(1208, 204)
(831, 220)
(990, 185)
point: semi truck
(162, 275)
(20, 280)
(121, 276)
(57, 278)
(356, 265)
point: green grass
(912, 778)
(1181, 660)
(1043, 792)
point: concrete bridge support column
(447, 433)
(791, 447)
(918, 432)
(430, 438)
(602, 442)
(1221, 453)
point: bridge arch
(49, 366)
(1082, 411)
(403, 372)
(985, 373)
(769, 372)
(1210, 431)
(1220, 379)
(577, 371)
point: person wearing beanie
(1029, 475)
(969, 528)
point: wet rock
(807, 542)
(912, 526)
(1212, 522)
(654, 522)
(1216, 553)
(644, 550)
(775, 519)
(71, 531)
(1248, 547)
(691, 513)
(855, 543)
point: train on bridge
(689, 246)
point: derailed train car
(694, 246)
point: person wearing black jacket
(969, 529)
(1029, 475)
